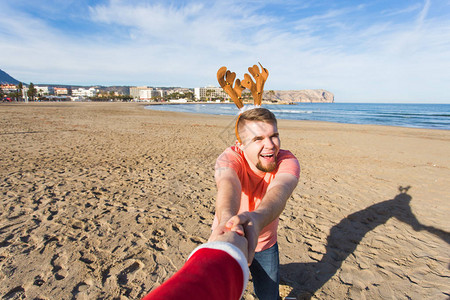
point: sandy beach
(107, 200)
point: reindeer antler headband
(226, 79)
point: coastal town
(31, 92)
(24, 93)
(13, 90)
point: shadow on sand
(345, 237)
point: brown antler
(249, 84)
(257, 88)
(226, 79)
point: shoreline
(104, 200)
(203, 115)
(281, 117)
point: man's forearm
(274, 202)
(228, 197)
(271, 207)
(227, 204)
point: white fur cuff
(232, 250)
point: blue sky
(362, 51)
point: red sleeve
(208, 274)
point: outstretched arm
(272, 205)
(228, 197)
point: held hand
(219, 230)
(232, 238)
(223, 229)
(246, 222)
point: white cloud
(423, 13)
(396, 11)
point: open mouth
(267, 162)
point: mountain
(300, 96)
(5, 78)
(124, 90)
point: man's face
(260, 143)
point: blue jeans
(265, 273)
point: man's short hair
(256, 114)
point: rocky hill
(300, 96)
(5, 78)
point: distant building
(148, 94)
(206, 93)
(61, 91)
(8, 88)
(44, 90)
(144, 93)
(134, 91)
(84, 93)
(180, 91)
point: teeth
(266, 155)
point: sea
(431, 116)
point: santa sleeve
(216, 270)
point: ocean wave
(434, 116)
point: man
(254, 179)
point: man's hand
(232, 238)
(245, 222)
(223, 228)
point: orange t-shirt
(254, 186)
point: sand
(107, 200)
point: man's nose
(268, 143)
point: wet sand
(107, 200)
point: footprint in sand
(52, 212)
(158, 245)
(38, 281)
(58, 264)
(16, 293)
(125, 275)
(122, 276)
(197, 240)
(85, 290)
(77, 225)
(158, 232)
(178, 228)
(88, 259)
(79, 288)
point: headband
(226, 78)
